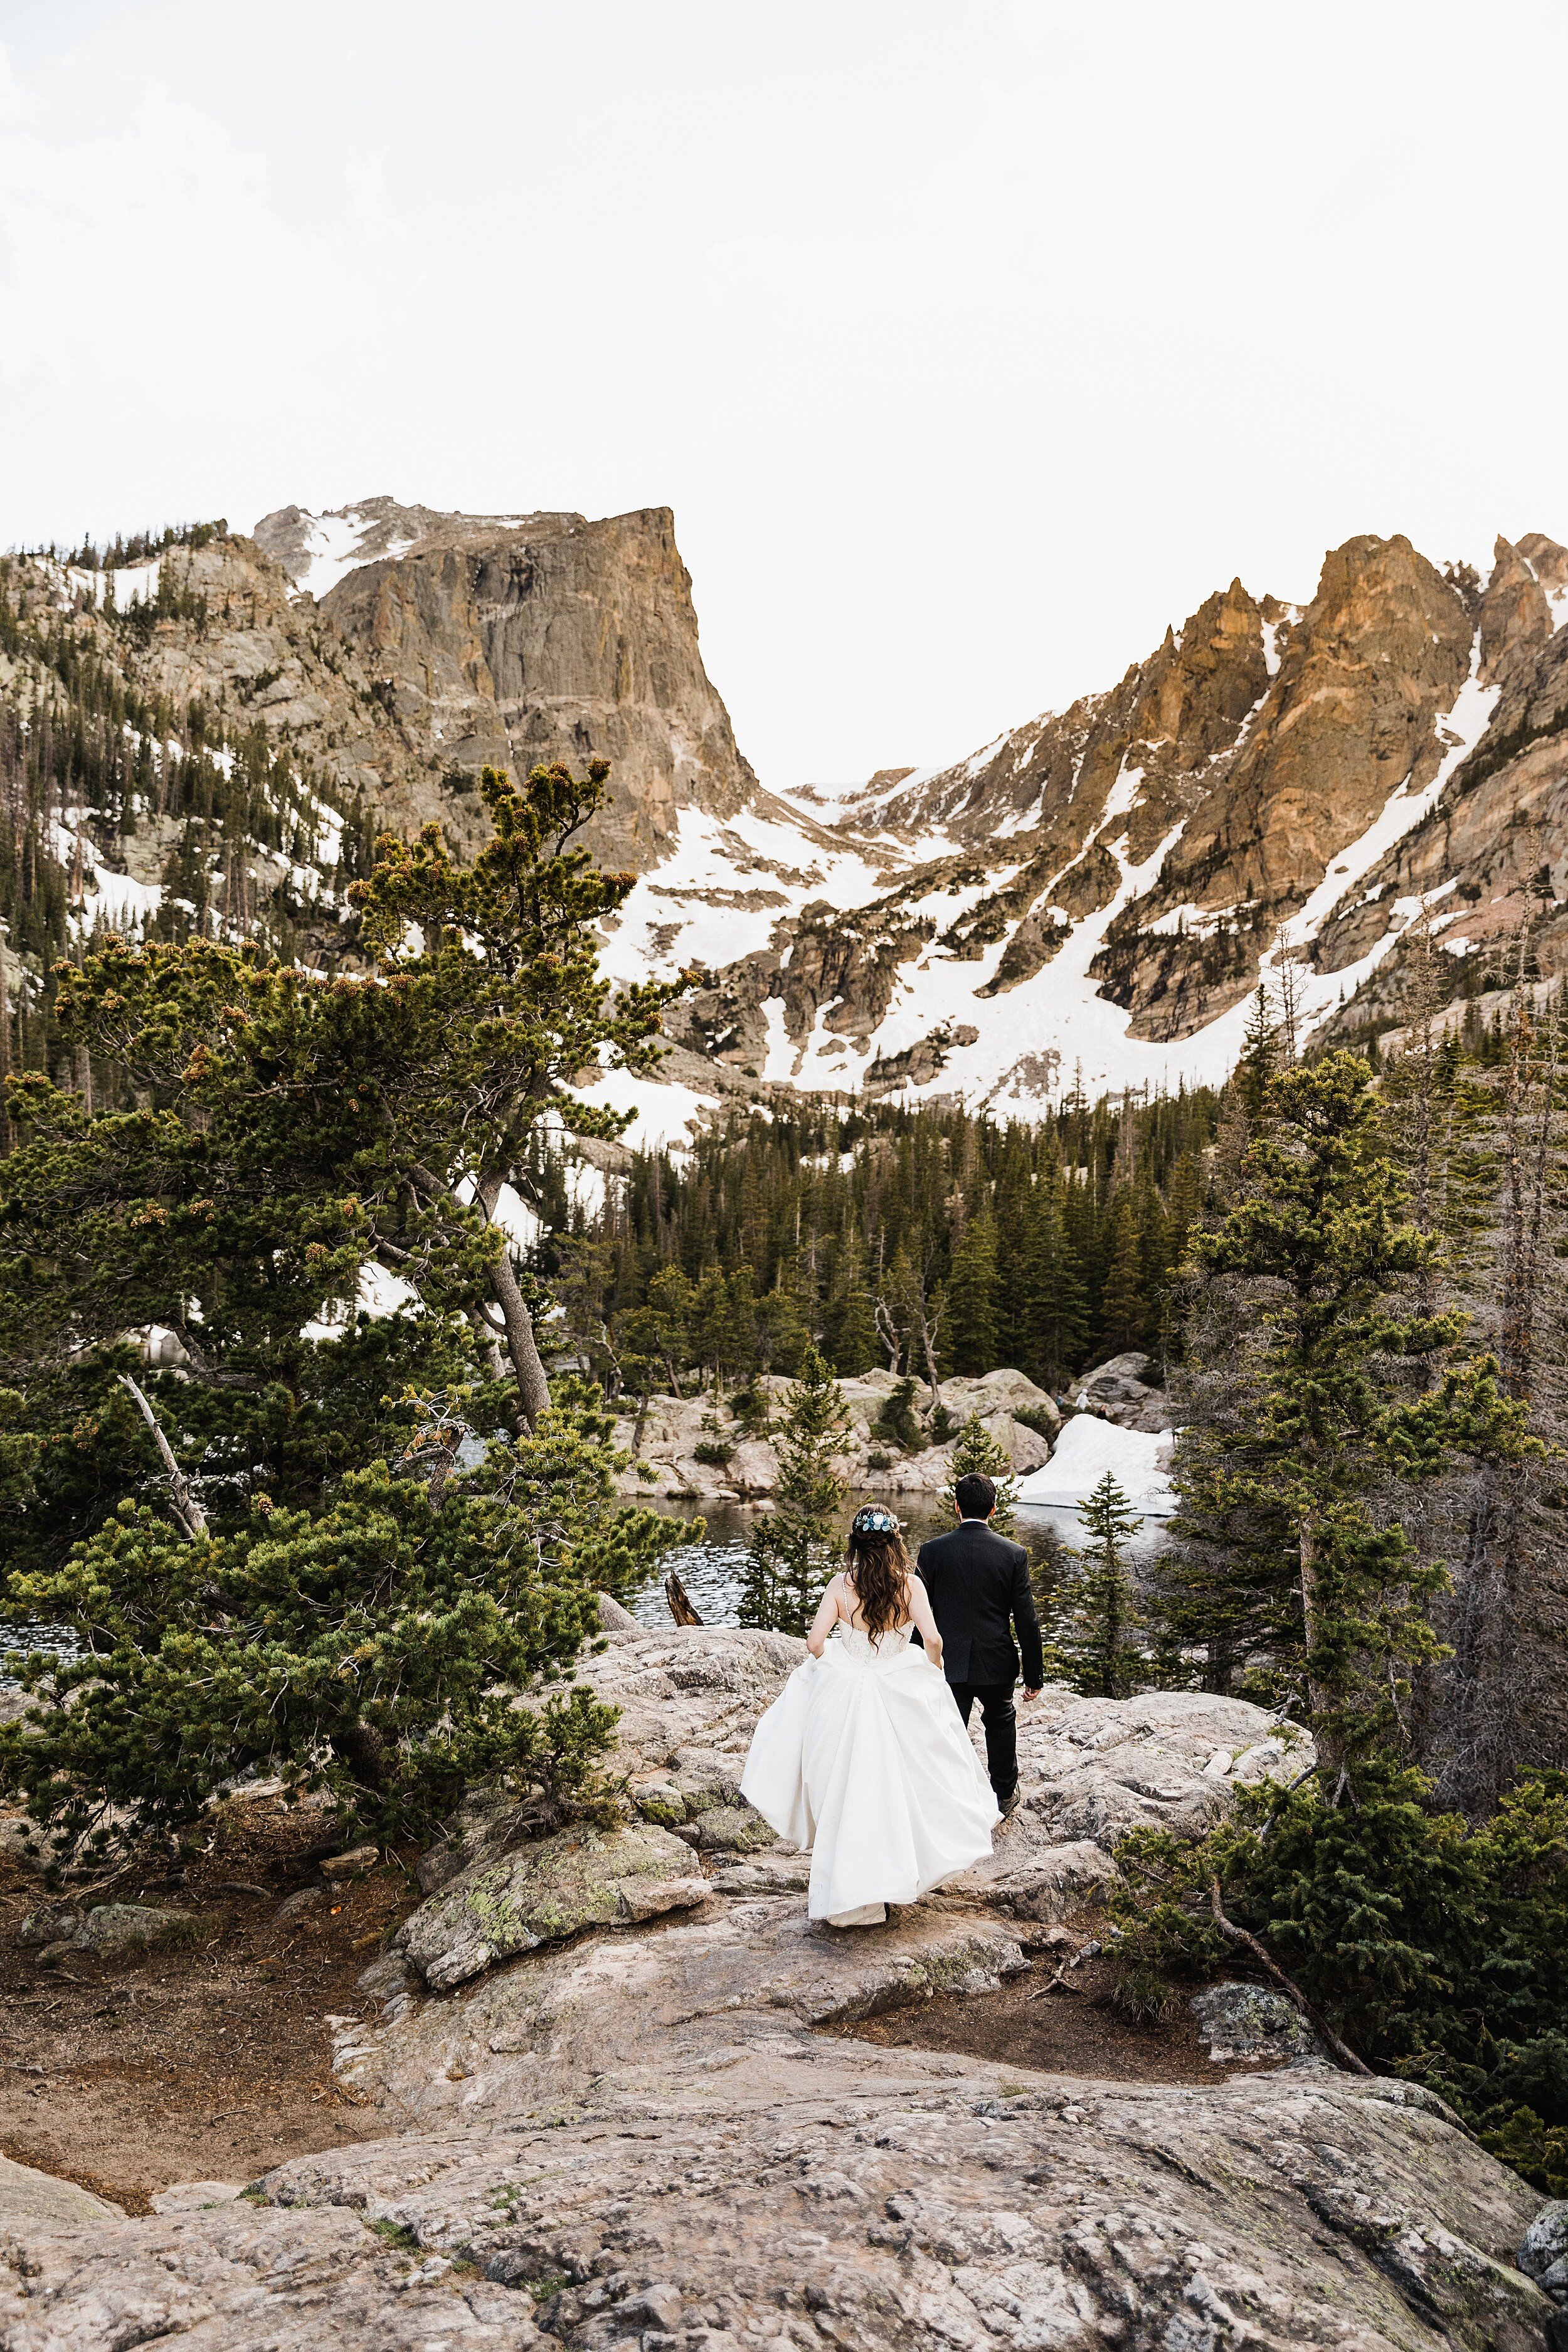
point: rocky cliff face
(1090, 900)
(1279, 794)
(516, 640)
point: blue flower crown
(873, 1520)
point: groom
(978, 1581)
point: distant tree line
(927, 1240)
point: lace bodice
(865, 1646)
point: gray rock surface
(1543, 2250)
(107, 1927)
(872, 2199)
(1248, 2022)
(31, 2200)
(647, 2137)
(1095, 1769)
(242, 2279)
(672, 1428)
(545, 1891)
(1123, 1390)
(195, 2195)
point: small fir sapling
(1096, 1617)
(792, 1552)
(977, 1450)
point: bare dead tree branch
(1291, 1991)
(187, 1510)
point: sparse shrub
(1038, 1417)
(1143, 1997)
(895, 1422)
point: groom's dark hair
(975, 1496)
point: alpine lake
(713, 1569)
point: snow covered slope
(1091, 901)
(1277, 793)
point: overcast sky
(970, 343)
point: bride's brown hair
(878, 1569)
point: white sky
(970, 342)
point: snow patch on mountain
(334, 546)
(723, 887)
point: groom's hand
(1028, 1694)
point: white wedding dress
(863, 1758)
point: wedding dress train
(863, 1758)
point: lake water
(712, 1570)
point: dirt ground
(206, 2062)
(211, 2060)
(1042, 2025)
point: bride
(863, 1755)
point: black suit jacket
(977, 1581)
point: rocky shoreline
(697, 1448)
(623, 2125)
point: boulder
(356, 1864)
(298, 1904)
(1000, 1391)
(108, 1928)
(1543, 2250)
(1249, 2022)
(1121, 1390)
(112, 1927)
(1096, 1768)
(579, 1878)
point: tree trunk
(1309, 1587)
(680, 1601)
(928, 1348)
(1287, 1986)
(532, 1388)
(490, 1345)
(363, 1750)
(1311, 1625)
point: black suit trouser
(1000, 1728)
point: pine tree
(1051, 1282)
(1097, 1611)
(290, 1130)
(1124, 1300)
(326, 1609)
(976, 1451)
(790, 1556)
(851, 1334)
(371, 1651)
(1336, 1393)
(972, 1296)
